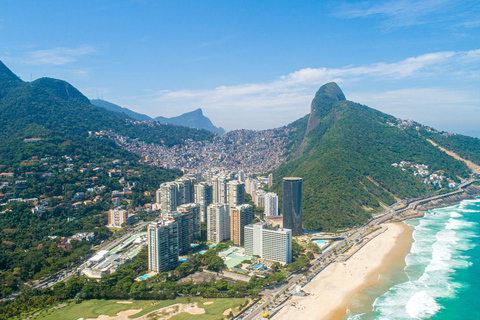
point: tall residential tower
(292, 204)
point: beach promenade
(328, 291)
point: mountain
(193, 119)
(54, 110)
(344, 152)
(116, 108)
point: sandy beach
(332, 290)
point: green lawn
(213, 311)
(94, 308)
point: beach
(329, 294)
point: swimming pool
(145, 276)
(320, 242)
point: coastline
(344, 284)
(344, 280)
(388, 273)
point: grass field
(94, 308)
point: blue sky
(255, 64)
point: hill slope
(193, 119)
(57, 112)
(116, 108)
(346, 157)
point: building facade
(167, 196)
(218, 222)
(236, 193)
(269, 243)
(271, 204)
(292, 204)
(163, 246)
(240, 216)
(118, 217)
(204, 197)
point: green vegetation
(466, 147)
(121, 285)
(66, 161)
(95, 308)
(345, 161)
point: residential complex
(118, 217)
(269, 243)
(204, 197)
(271, 204)
(218, 222)
(240, 216)
(235, 193)
(163, 245)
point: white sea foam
(455, 214)
(421, 306)
(441, 243)
(436, 253)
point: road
(67, 273)
(274, 299)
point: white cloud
(282, 100)
(396, 13)
(58, 56)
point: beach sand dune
(331, 291)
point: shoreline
(341, 281)
(385, 251)
(387, 274)
(471, 192)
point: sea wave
(440, 241)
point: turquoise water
(320, 241)
(145, 276)
(441, 279)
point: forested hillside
(346, 157)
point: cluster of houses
(436, 179)
(15, 187)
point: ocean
(440, 278)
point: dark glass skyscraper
(292, 205)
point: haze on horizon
(256, 65)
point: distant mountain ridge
(64, 118)
(116, 108)
(193, 119)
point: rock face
(344, 153)
(193, 119)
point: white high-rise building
(236, 193)
(204, 197)
(271, 204)
(258, 197)
(193, 209)
(185, 190)
(163, 248)
(268, 243)
(168, 196)
(218, 222)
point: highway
(67, 273)
(275, 298)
